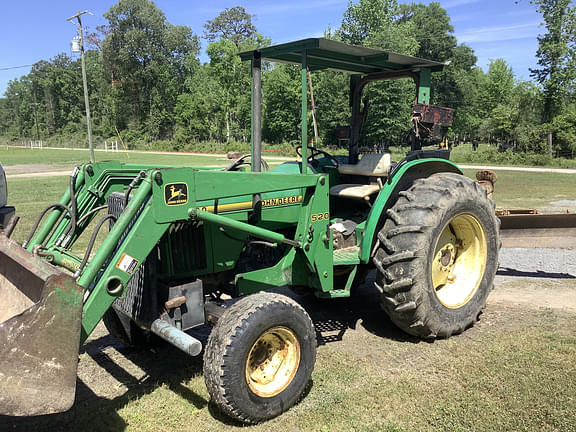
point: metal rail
(532, 230)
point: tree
(375, 24)
(233, 24)
(556, 59)
(431, 28)
(233, 78)
(499, 84)
(365, 19)
(146, 60)
(281, 93)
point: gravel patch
(538, 262)
(564, 203)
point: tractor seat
(371, 165)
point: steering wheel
(314, 152)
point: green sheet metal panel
(328, 54)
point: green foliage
(556, 53)
(364, 20)
(564, 129)
(233, 24)
(490, 154)
(282, 104)
(332, 103)
(146, 60)
(147, 84)
(431, 28)
(499, 84)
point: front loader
(192, 246)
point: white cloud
(499, 33)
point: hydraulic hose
(51, 206)
(132, 185)
(91, 243)
(73, 205)
(90, 213)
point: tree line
(148, 86)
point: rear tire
(437, 256)
(259, 357)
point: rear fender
(400, 179)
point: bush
(488, 154)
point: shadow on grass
(165, 365)
(332, 318)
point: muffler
(40, 321)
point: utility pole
(84, 80)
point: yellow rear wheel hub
(459, 261)
(273, 361)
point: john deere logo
(176, 194)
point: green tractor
(193, 246)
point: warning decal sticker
(176, 194)
(127, 264)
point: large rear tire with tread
(437, 256)
(259, 357)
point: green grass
(519, 189)
(61, 159)
(514, 371)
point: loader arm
(56, 298)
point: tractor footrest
(347, 256)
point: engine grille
(186, 245)
(139, 301)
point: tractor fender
(401, 178)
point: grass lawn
(62, 159)
(520, 189)
(513, 371)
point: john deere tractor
(192, 246)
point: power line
(15, 67)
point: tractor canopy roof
(324, 54)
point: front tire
(259, 357)
(437, 256)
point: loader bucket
(40, 319)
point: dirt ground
(110, 376)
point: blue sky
(35, 30)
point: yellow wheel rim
(272, 361)
(459, 261)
